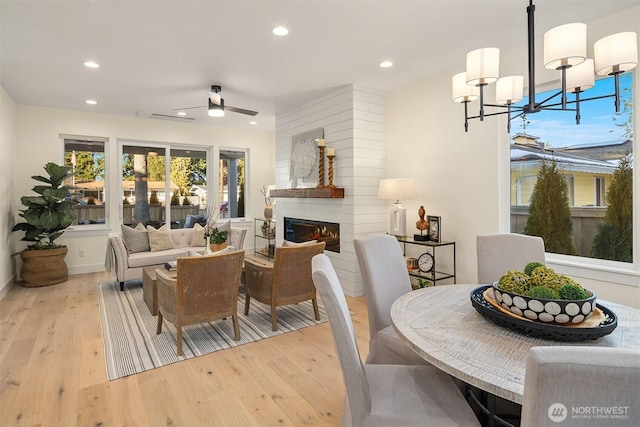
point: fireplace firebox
(303, 230)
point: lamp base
(421, 237)
(398, 220)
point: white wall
(463, 177)
(8, 140)
(37, 142)
(353, 119)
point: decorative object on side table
(46, 217)
(435, 228)
(397, 189)
(422, 225)
(268, 209)
(321, 145)
(426, 262)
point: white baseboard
(87, 268)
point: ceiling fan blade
(190, 108)
(240, 110)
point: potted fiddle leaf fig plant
(46, 216)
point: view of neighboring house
(587, 168)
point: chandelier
(565, 49)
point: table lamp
(397, 189)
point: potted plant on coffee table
(46, 216)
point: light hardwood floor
(53, 371)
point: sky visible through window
(559, 129)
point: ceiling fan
(216, 105)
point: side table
(149, 288)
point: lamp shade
(581, 77)
(397, 189)
(509, 90)
(616, 53)
(565, 46)
(461, 91)
(483, 66)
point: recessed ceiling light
(91, 64)
(280, 31)
(91, 101)
(386, 64)
(253, 123)
(181, 113)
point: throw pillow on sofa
(135, 239)
(160, 239)
(197, 238)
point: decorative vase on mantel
(268, 212)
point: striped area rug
(131, 345)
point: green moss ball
(528, 269)
(542, 292)
(572, 292)
(515, 282)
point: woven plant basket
(44, 267)
(215, 247)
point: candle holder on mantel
(330, 157)
(321, 144)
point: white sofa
(128, 266)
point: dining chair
(581, 386)
(205, 289)
(499, 253)
(288, 281)
(385, 277)
(389, 395)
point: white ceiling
(158, 56)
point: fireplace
(303, 230)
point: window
(595, 160)
(87, 157)
(152, 199)
(232, 184)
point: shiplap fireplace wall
(353, 120)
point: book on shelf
(171, 265)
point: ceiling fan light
(483, 66)
(616, 53)
(581, 77)
(215, 98)
(461, 91)
(565, 46)
(216, 110)
(509, 90)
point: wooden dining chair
(581, 386)
(389, 395)
(499, 253)
(385, 278)
(205, 289)
(287, 282)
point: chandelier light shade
(461, 91)
(565, 46)
(483, 66)
(581, 77)
(216, 110)
(616, 53)
(565, 49)
(397, 189)
(509, 90)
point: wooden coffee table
(149, 288)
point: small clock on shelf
(425, 263)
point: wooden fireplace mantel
(316, 193)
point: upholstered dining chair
(385, 278)
(581, 386)
(205, 289)
(390, 395)
(499, 253)
(287, 282)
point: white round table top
(441, 325)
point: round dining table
(441, 325)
